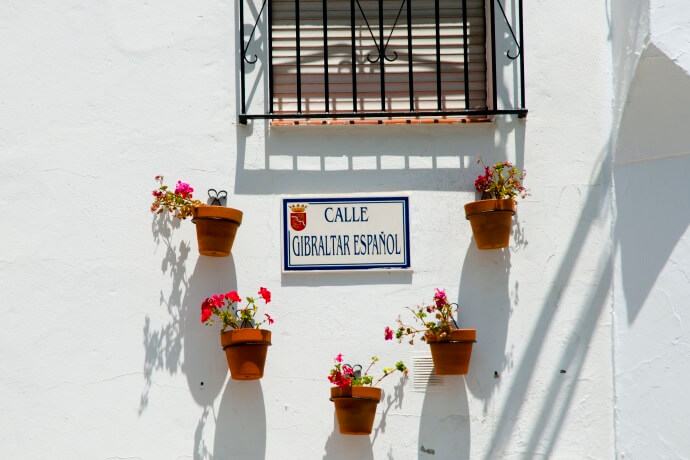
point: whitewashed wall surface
(582, 323)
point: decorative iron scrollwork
(362, 52)
(217, 196)
(251, 36)
(512, 32)
(381, 51)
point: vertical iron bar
(465, 55)
(382, 57)
(522, 58)
(270, 56)
(242, 83)
(325, 56)
(409, 53)
(493, 55)
(438, 54)
(299, 64)
(354, 56)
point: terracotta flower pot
(245, 350)
(355, 408)
(491, 221)
(452, 356)
(216, 227)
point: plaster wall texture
(102, 354)
(650, 235)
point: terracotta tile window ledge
(381, 121)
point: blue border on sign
(406, 227)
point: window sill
(386, 121)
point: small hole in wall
(496, 375)
(427, 451)
(562, 371)
(202, 384)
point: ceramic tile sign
(357, 233)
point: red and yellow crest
(298, 217)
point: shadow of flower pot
(241, 423)
(444, 427)
(204, 359)
(347, 447)
(485, 306)
(182, 343)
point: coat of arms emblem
(298, 217)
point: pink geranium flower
(183, 189)
(178, 203)
(388, 333)
(440, 298)
(500, 181)
(343, 375)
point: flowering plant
(179, 202)
(494, 184)
(439, 327)
(343, 375)
(224, 307)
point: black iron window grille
(381, 58)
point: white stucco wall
(102, 354)
(652, 214)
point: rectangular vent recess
(423, 375)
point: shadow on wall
(346, 278)
(241, 423)
(347, 447)
(184, 344)
(444, 426)
(340, 446)
(333, 159)
(653, 210)
(560, 387)
(485, 306)
(327, 159)
(387, 403)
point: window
(377, 58)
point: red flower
(337, 378)
(206, 311)
(217, 300)
(389, 333)
(270, 320)
(265, 293)
(483, 182)
(233, 296)
(339, 358)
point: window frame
(492, 105)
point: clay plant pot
(452, 356)
(491, 221)
(216, 227)
(245, 350)
(355, 408)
